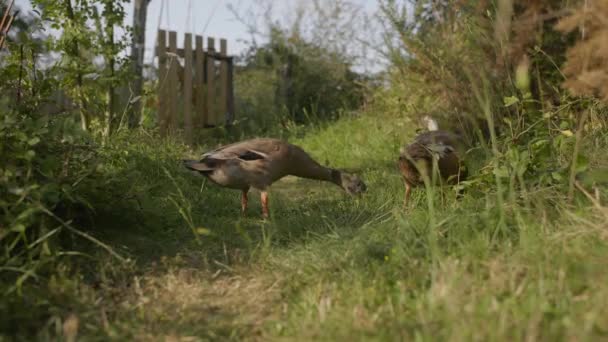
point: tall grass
(328, 266)
(520, 256)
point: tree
(140, 15)
(306, 59)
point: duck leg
(408, 191)
(264, 198)
(244, 201)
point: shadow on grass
(141, 211)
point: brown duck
(257, 163)
(416, 159)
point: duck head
(351, 183)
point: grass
(326, 266)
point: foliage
(44, 160)
(304, 69)
(81, 77)
(474, 45)
(46, 156)
(434, 63)
(307, 79)
(42, 165)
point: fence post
(173, 82)
(204, 105)
(162, 82)
(188, 88)
(223, 95)
(230, 96)
(210, 116)
(199, 81)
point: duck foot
(406, 199)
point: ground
(327, 266)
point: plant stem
(577, 146)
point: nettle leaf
(203, 231)
(567, 132)
(33, 141)
(510, 100)
(582, 163)
(502, 172)
(594, 177)
(557, 176)
(91, 76)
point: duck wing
(437, 137)
(427, 145)
(249, 150)
(439, 149)
(245, 150)
(200, 165)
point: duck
(416, 159)
(258, 163)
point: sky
(210, 18)
(207, 17)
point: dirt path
(188, 304)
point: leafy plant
(81, 77)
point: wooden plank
(188, 89)
(210, 99)
(140, 11)
(230, 96)
(199, 81)
(162, 82)
(222, 107)
(173, 83)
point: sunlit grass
(329, 266)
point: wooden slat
(223, 89)
(199, 81)
(162, 82)
(188, 89)
(230, 101)
(210, 101)
(207, 99)
(173, 83)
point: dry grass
(586, 66)
(185, 304)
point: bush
(42, 162)
(291, 79)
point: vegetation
(106, 237)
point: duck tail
(196, 165)
(431, 124)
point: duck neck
(321, 173)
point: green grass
(326, 266)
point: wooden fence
(201, 89)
